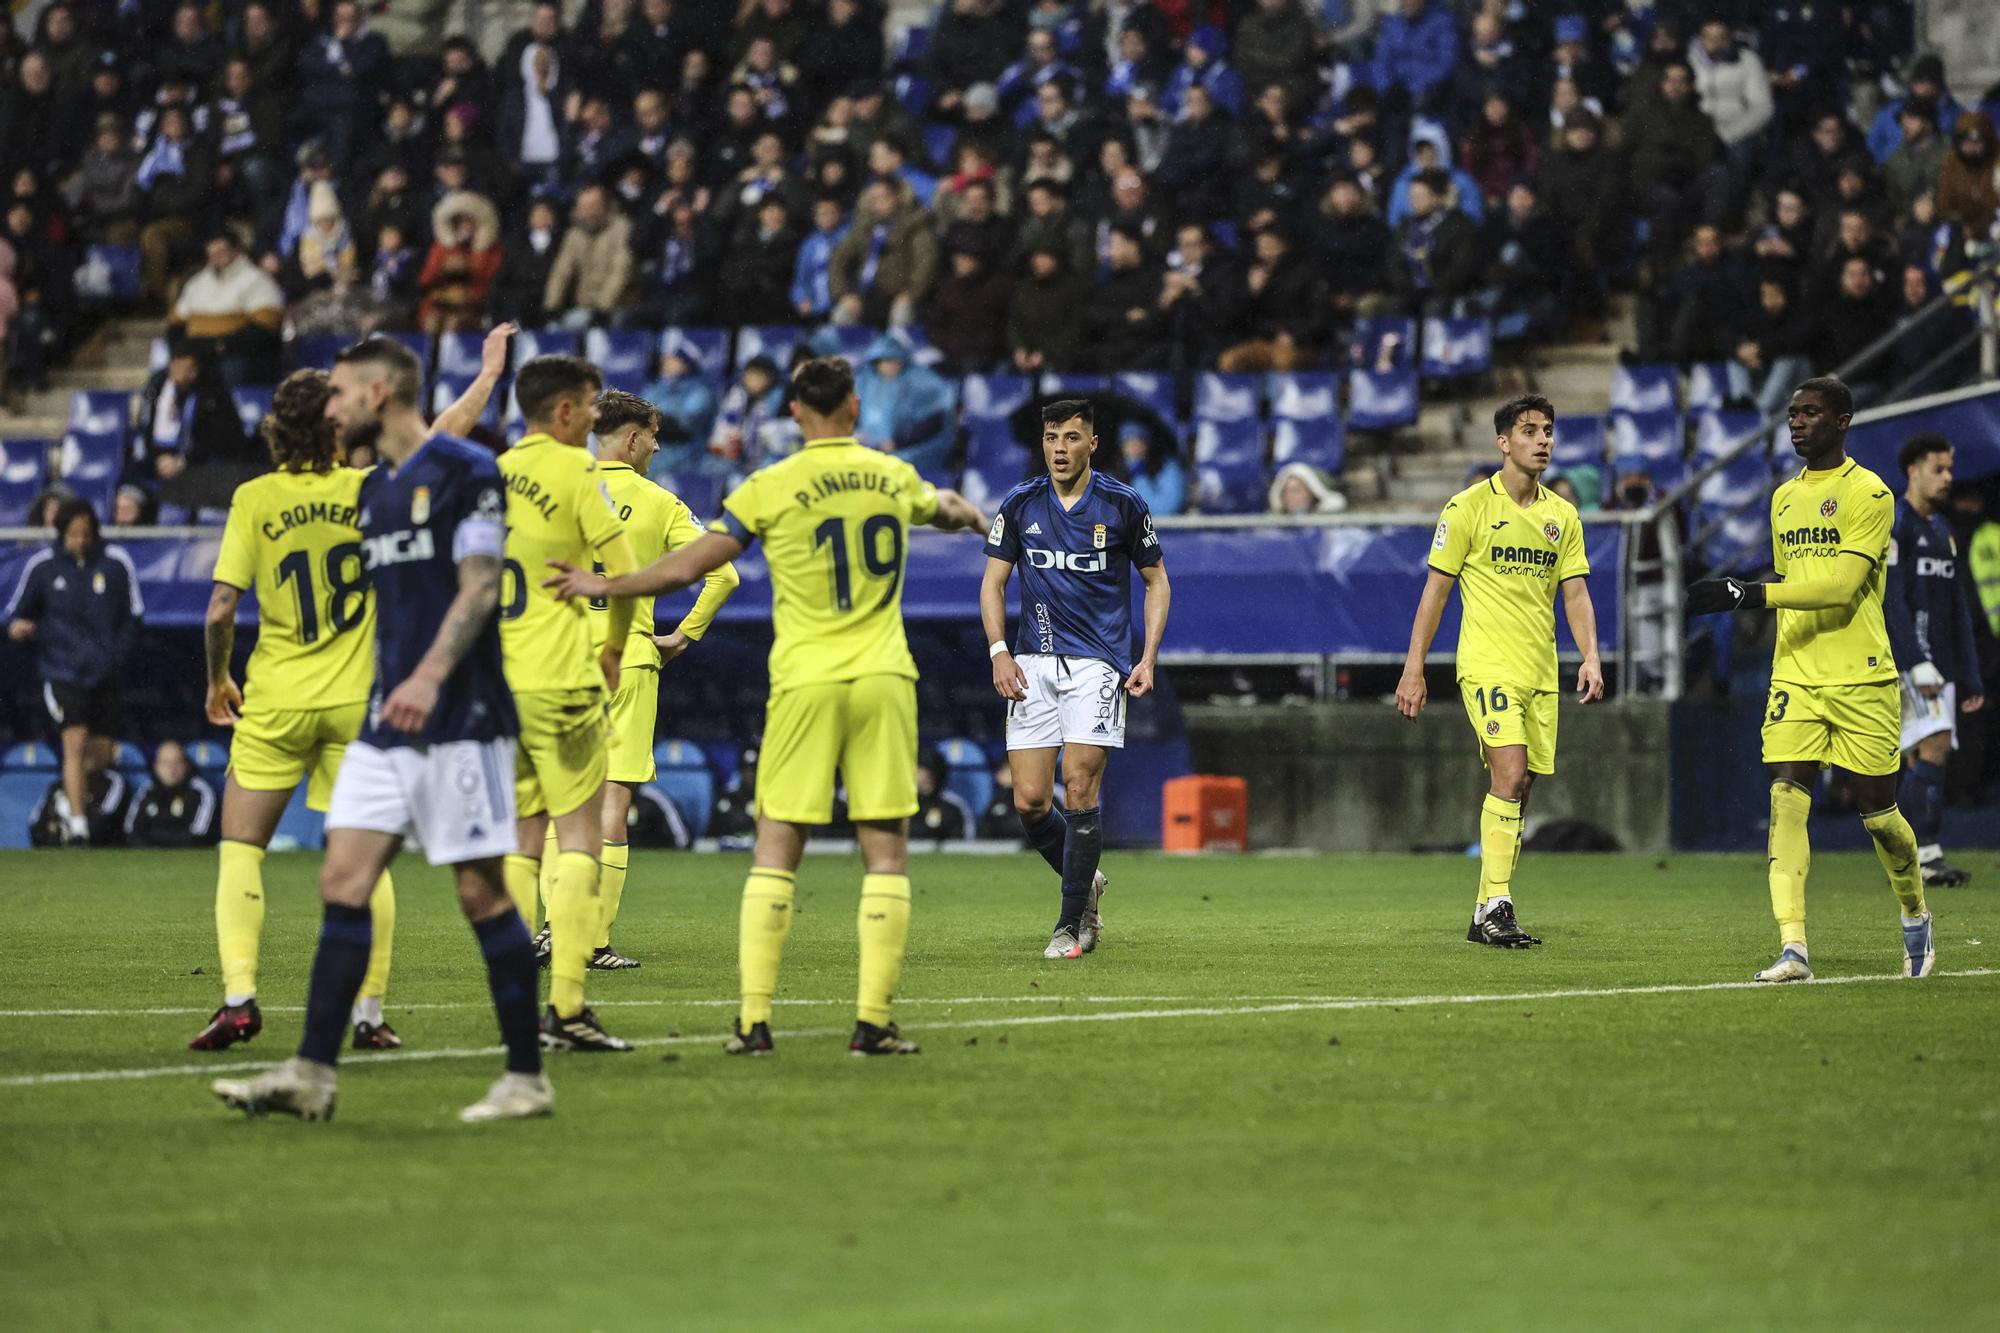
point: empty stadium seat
(1666, 470)
(210, 759)
(1579, 442)
(1741, 542)
(1303, 395)
(20, 792)
(939, 142)
(531, 343)
(1053, 385)
(990, 444)
(1367, 345)
(448, 389)
(1648, 434)
(1151, 389)
(91, 466)
(173, 515)
(100, 412)
(1231, 487)
(698, 491)
(1381, 399)
(624, 357)
(1228, 441)
(158, 353)
(459, 355)
(1225, 397)
(1715, 432)
(684, 775)
(1319, 442)
(971, 776)
(994, 397)
(922, 350)
(253, 404)
(912, 44)
(777, 341)
(1708, 387)
(710, 346)
(108, 273)
(1646, 388)
(316, 351)
(1457, 348)
(24, 464)
(30, 757)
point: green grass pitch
(1284, 1094)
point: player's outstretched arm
(1159, 594)
(1850, 573)
(670, 573)
(1411, 691)
(616, 557)
(1583, 628)
(409, 705)
(224, 703)
(955, 513)
(463, 415)
(1009, 681)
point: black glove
(1724, 594)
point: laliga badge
(420, 504)
(1097, 536)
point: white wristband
(996, 648)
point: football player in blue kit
(1930, 627)
(435, 759)
(1075, 535)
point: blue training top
(1928, 614)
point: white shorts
(454, 800)
(1071, 700)
(1927, 717)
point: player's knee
(1030, 802)
(346, 885)
(1080, 792)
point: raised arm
(1411, 692)
(1159, 593)
(955, 513)
(224, 703)
(409, 705)
(1008, 679)
(1583, 628)
(670, 573)
(463, 415)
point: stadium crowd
(1033, 185)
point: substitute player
(1512, 546)
(434, 758)
(834, 519)
(293, 534)
(1929, 618)
(1834, 696)
(656, 521)
(1076, 536)
(560, 674)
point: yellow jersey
(1814, 517)
(557, 509)
(295, 537)
(1509, 560)
(835, 520)
(656, 521)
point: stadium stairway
(115, 357)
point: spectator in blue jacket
(340, 74)
(687, 406)
(1204, 64)
(812, 288)
(79, 602)
(1152, 471)
(1416, 50)
(1885, 132)
(906, 409)
(1429, 151)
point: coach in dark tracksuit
(79, 602)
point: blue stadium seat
(447, 389)
(109, 273)
(922, 350)
(1381, 399)
(253, 404)
(1457, 348)
(991, 446)
(914, 42)
(1228, 441)
(210, 759)
(1741, 543)
(90, 467)
(711, 346)
(130, 756)
(158, 353)
(1579, 442)
(939, 143)
(1715, 432)
(1666, 470)
(698, 491)
(531, 343)
(30, 757)
(1648, 434)
(1233, 487)
(173, 515)
(847, 340)
(24, 463)
(913, 93)
(106, 413)
(1366, 345)
(777, 341)
(1150, 388)
(1741, 480)
(971, 776)
(685, 777)
(1225, 397)
(625, 357)
(944, 478)
(316, 351)
(1054, 385)
(1708, 387)
(1303, 395)
(19, 794)
(458, 355)
(1647, 388)
(1320, 442)
(994, 397)
(16, 497)
(300, 827)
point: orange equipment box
(1204, 813)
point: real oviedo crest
(1829, 508)
(420, 504)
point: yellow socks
(1896, 849)
(572, 926)
(1791, 857)
(550, 850)
(382, 913)
(611, 888)
(523, 875)
(884, 925)
(1499, 846)
(760, 937)
(239, 917)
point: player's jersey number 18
(346, 580)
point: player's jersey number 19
(881, 552)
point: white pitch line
(175, 1012)
(1323, 1005)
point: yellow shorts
(635, 712)
(1502, 715)
(866, 728)
(561, 757)
(1855, 727)
(273, 750)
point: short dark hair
(1065, 409)
(1436, 180)
(546, 380)
(1919, 447)
(1508, 413)
(1838, 396)
(823, 384)
(70, 510)
(396, 362)
(617, 409)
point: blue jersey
(1928, 613)
(446, 501)
(1076, 566)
